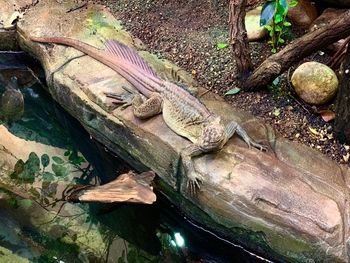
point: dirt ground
(187, 33)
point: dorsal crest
(128, 54)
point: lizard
(183, 113)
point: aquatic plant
(35, 169)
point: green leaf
(282, 7)
(278, 18)
(278, 28)
(12, 202)
(25, 203)
(293, 3)
(274, 50)
(74, 158)
(46, 201)
(267, 12)
(19, 167)
(269, 28)
(48, 177)
(276, 81)
(222, 45)
(45, 160)
(286, 23)
(283, 3)
(33, 163)
(30, 168)
(232, 91)
(27, 176)
(60, 170)
(281, 40)
(57, 160)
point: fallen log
(276, 64)
(129, 187)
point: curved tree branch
(239, 38)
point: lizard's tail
(118, 57)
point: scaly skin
(182, 112)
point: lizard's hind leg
(148, 108)
(125, 99)
(143, 109)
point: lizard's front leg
(194, 179)
(233, 127)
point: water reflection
(42, 153)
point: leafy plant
(273, 17)
(35, 169)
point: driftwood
(276, 64)
(129, 187)
(239, 38)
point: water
(36, 227)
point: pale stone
(252, 24)
(315, 82)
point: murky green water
(45, 151)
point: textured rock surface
(303, 14)
(252, 23)
(289, 203)
(315, 82)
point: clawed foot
(194, 181)
(259, 146)
(121, 99)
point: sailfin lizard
(182, 112)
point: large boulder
(315, 82)
(289, 202)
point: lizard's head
(213, 135)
